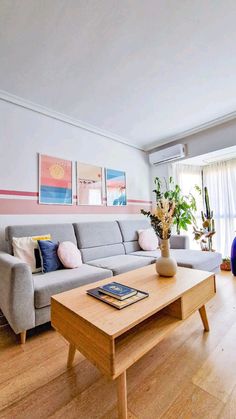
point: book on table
(115, 302)
(117, 290)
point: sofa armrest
(179, 242)
(16, 293)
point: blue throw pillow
(48, 252)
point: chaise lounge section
(185, 257)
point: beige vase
(165, 264)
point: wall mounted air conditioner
(167, 154)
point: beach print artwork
(55, 180)
(115, 187)
(89, 184)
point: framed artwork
(55, 180)
(89, 184)
(116, 187)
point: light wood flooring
(190, 374)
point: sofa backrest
(129, 230)
(98, 239)
(59, 232)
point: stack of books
(117, 295)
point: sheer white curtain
(220, 178)
(187, 176)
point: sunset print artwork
(116, 187)
(55, 180)
(89, 184)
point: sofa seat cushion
(51, 283)
(154, 254)
(122, 263)
(196, 259)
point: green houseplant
(185, 206)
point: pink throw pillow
(148, 239)
(69, 255)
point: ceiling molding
(195, 130)
(23, 103)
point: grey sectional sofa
(107, 248)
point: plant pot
(165, 264)
(225, 266)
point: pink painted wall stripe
(17, 193)
(20, 206)
(36, 194)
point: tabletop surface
(113, 322)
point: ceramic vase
(233, 257)
(165, 264)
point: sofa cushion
(93, 234)
(99, 252)
(148, 253)
(196, 259)
(48, 253)
(129, 228)
(131, 247)
(26, 249)
(147, 239)
(58, 232)
(99, 239)
(51, 283)
(122, 263)
(69, 255)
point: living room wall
(203, 142)
(24, 133)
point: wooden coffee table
(112, 339)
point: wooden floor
(190, 374)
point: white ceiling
(143, 70)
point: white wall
(24, 133)
(217, 138)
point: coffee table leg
(203, 315)
(71, 355)
(122, 396)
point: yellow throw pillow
(26, 249)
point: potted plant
(185, 206)
(225, 265)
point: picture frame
(55, 180)
(89, 184)
(116, 192)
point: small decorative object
(233, 257)
(89, 184)
(116, 187)
(161, 221)
(55, 180)
(225, 265)
(206, 232)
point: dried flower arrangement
(162, 217)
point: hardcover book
(119, 304)
(117, 290)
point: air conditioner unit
(167, 154)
